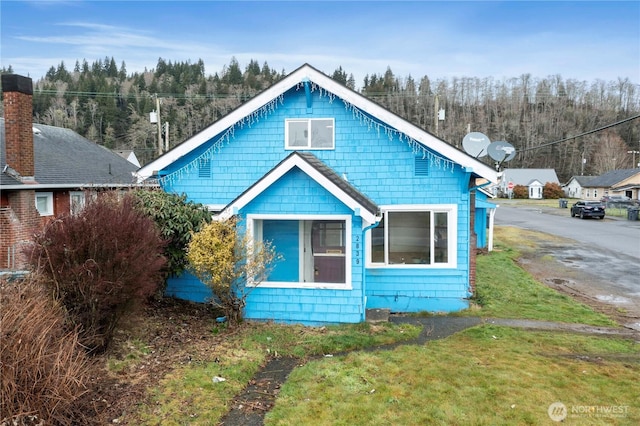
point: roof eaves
(304, 73)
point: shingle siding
(377, 165)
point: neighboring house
(368, 210)
(533, 179)
(45, 171)
(616, 182)
(575, 188)
(128, 155)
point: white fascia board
(402, 125)
(280, 171)
(306, 72)
(219, 126)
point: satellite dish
(501, 151)
(475, 144)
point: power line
(133, 94)
(582, 134)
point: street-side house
(533, 179)
(368, 210)
(575, 188)
(45, 171)
(616, 182)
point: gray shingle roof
(341, 183)
(583, 180)
(526, 176)
(64, 158)
(611, 178)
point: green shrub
(175, 218)
(100, 263)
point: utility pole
(633, 162)
(436, 109)
(159, 125)
(166, 136)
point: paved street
(601, 257)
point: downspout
(364, 264)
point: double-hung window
(309, 133)
(409, 235)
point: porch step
(377, 315)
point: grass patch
(505, 290)
(189, 394)
(485, 375)
(136, 349)
(301, 342)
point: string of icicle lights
(225, 138)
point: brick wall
(18, 224)
(18, 123)
(19, 218)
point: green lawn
(485, 375)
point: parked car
(616, 199)
(586, 209)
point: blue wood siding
(297, 194)
(379, 164)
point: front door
(328, 250)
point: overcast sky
(583, 40)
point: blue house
(367, 210)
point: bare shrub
(44, 369)
(99, 264)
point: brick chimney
(18, 124)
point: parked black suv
(586, 209)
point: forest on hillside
(575, 127)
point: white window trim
(452, 228)
(251, 218)
(309, 147)
(49, 210)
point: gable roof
(316, 170)
(64, 159)
(525, 176)
(611, 178)
(582, 180)
(308, 73)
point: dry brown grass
(44, 369)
